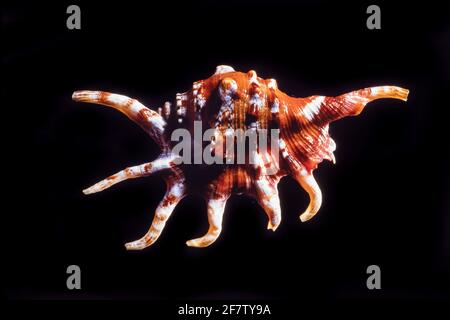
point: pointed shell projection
(225, 102)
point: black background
(385, 201)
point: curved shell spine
(228, 101)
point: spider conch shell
(231, 100)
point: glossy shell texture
(226, 102)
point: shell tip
(406, 95)
(401, 93)
(305, 217)
(88, 191)
(272, 227)
(223, 69)
(76, 95)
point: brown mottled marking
(170, 199)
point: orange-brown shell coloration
(228, 101)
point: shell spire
(235, 106)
